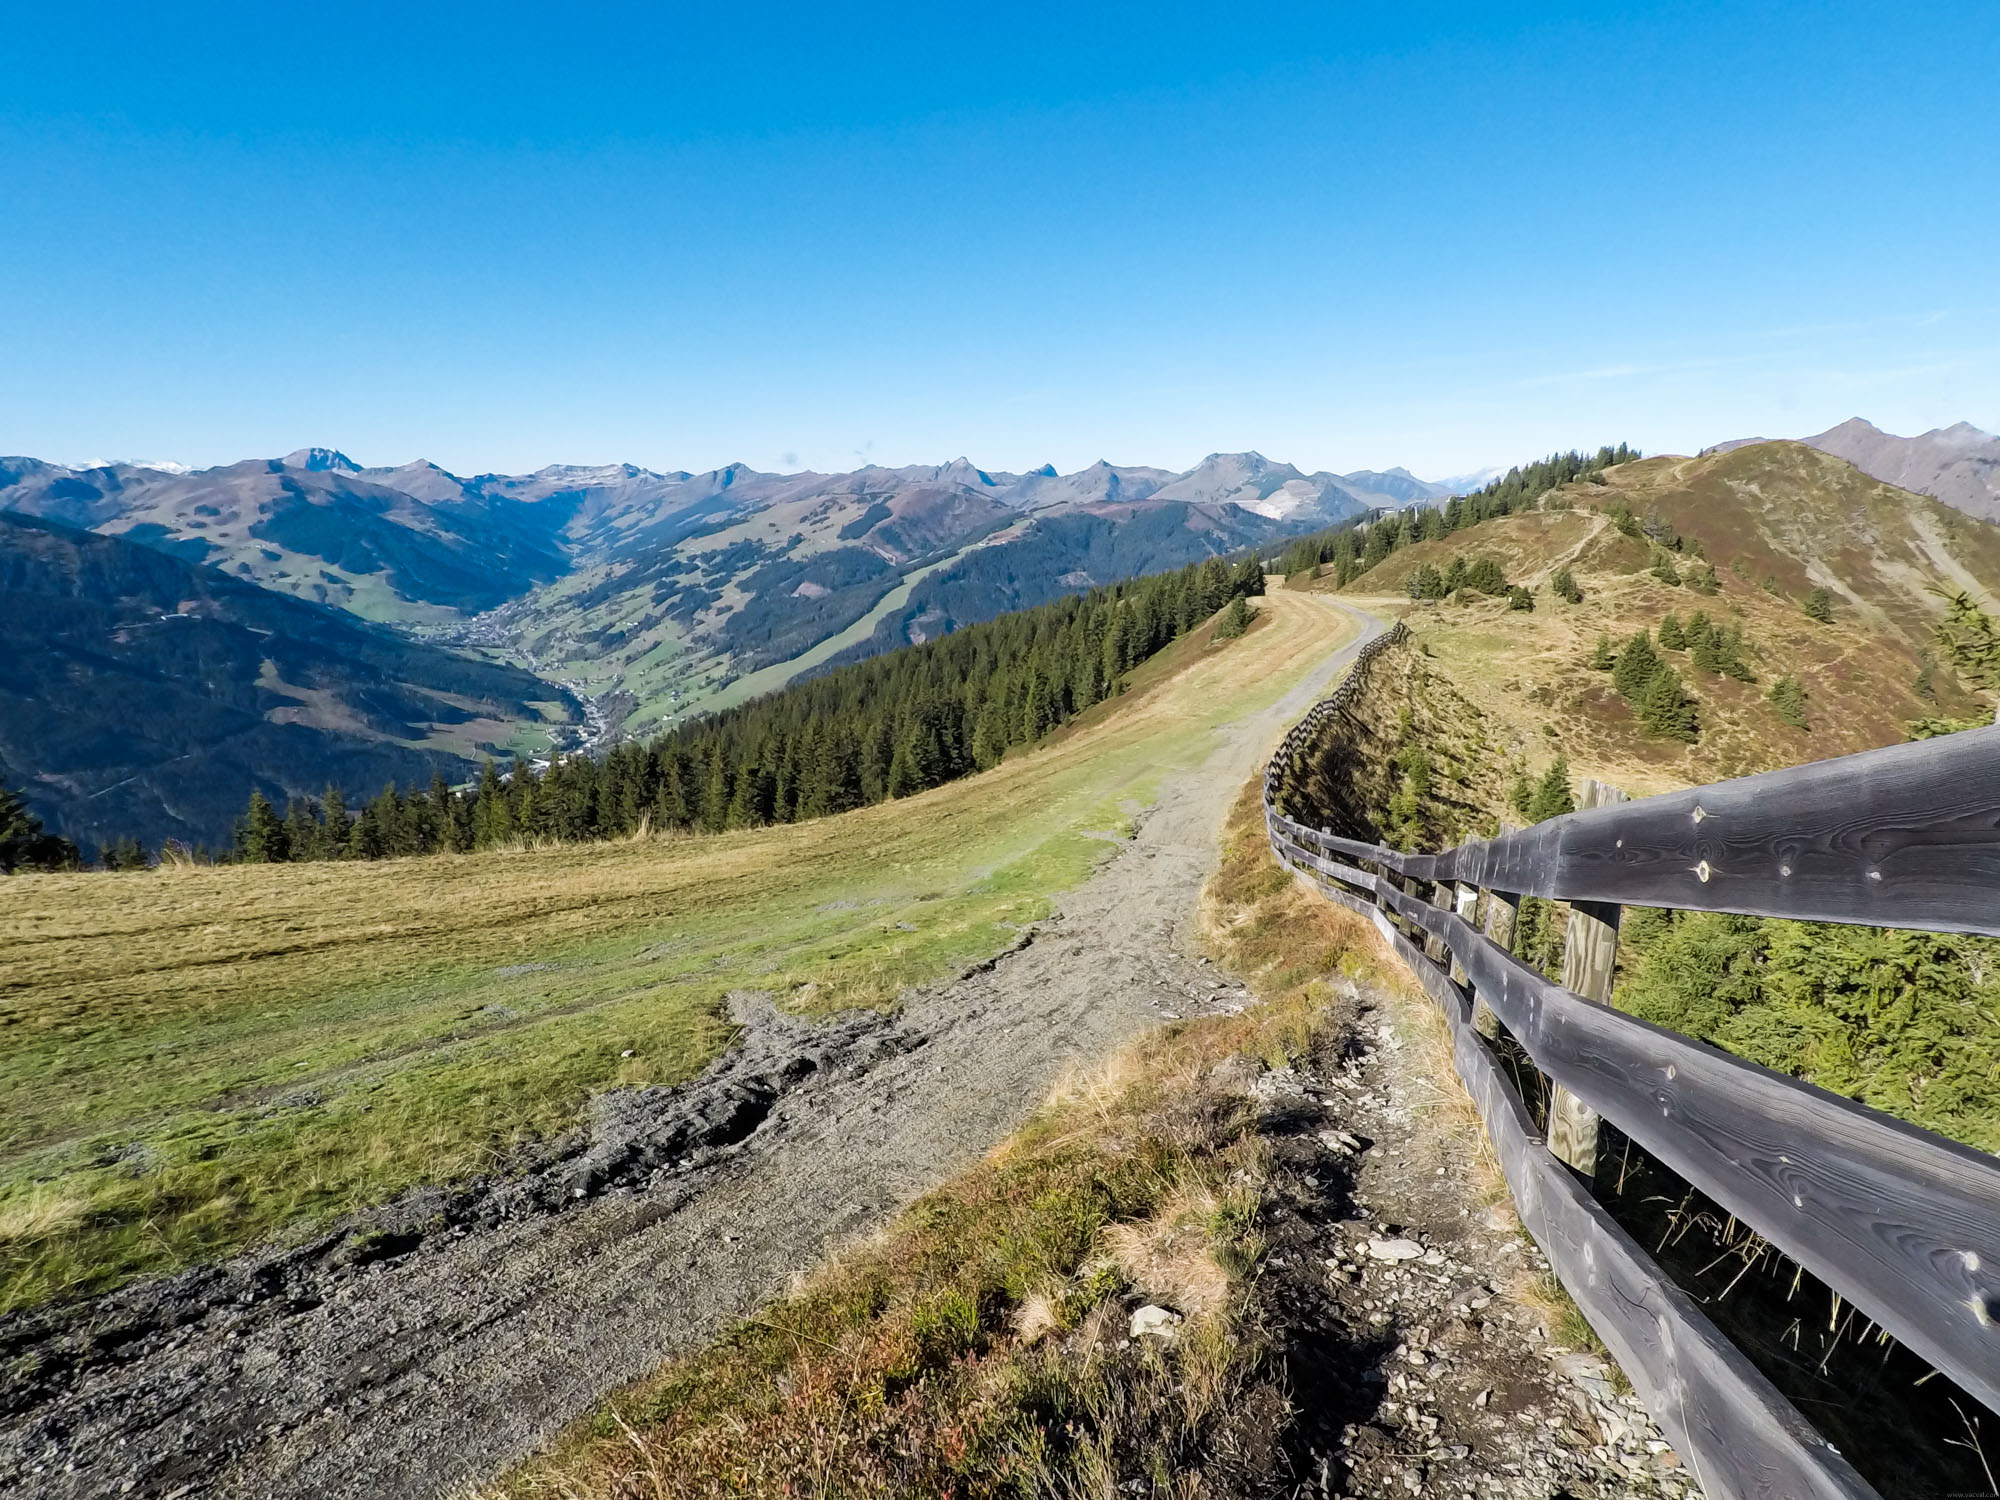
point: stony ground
(1413, 1311)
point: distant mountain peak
(1959, 465)
(320, 461)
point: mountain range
(1959, 465)
(613, 597)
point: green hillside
(367, 1026)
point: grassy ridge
(1774, 521)
(194, 1059)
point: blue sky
(1438, 235)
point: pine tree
(1819, 606)
(1520, 598)
(1601, 657)
(1664, 570)
(1564, 586)
(260, 837)
(1788, 697)
(1425, 582)
(1552, 797)
(1636, 665)
(1666, 710)
(1521, 796)
(1672, 637)
(333, 836)
(24, 845)
(1235, 619)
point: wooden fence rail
(1903, 1223)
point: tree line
(891, 726)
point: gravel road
(456, 1332)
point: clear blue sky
(502, 235)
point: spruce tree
(302, 831)
(1601, 657)
(1485, 574)
(1520, 598)
(23, 843)
(1636, 665)
(1564, 585)
(1819, 606)
(1788, 697)
(260, 837)
(1729, 647)
(1552, 796)
(1425, 582)
(492, 817)
(333, 836)
(1521, 795)
(1672, 637)
(1666, 710)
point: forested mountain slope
(141, 694)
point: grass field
(195, 1059)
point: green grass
(196, 1059)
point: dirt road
(461, 1330)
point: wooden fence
(1902, 1223)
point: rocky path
(1411, 1309)
(455, 1332)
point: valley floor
(465, 1327)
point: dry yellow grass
(202, 1056)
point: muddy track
(451, 1333)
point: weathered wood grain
(1590, 958)
(1907, 836)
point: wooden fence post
(1590, 953)
(1503, 912)
(1441, 897)
(1468, 912)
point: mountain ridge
(1958, 465)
